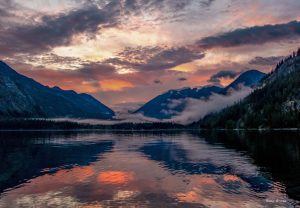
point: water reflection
(149, 169)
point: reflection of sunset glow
(115, 177)
(203, 180)
(115, 85)
(191, 197)
(77, 174)
(230, 178)
(123, 195)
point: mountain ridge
(162, 106)
(274, 104)
(25, 97)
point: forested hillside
(274, 104)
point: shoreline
(142, 130)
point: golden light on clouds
(189, 67)
(124, 35)
(115, 85)
(225, 81)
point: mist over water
(149, 169)
(195, 109)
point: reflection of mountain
(38, 156)
(175, 159)
(277, 153)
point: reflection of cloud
(206, 190)
(123, 195)
(231, 178)
(62, 178)
(191, 197)
(50, 199)
(115, 177)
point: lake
(150, 169)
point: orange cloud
(115, 177)
(225, 81)
(115, 85)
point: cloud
(85, 79)
(182, 79)
(196, 109)
(155, 58)
(252, 35)
(55, 30)
(115, 85)
(266, 61)
(216, 78)
(207, 3)
(157, 81)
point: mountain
(168, 104)
(249, 78)
(274, 104)
(171, 103)
(23, 97)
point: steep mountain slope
(249, 78)
(274, 104)
(21, 96)
(171, 103)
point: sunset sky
(125, 52)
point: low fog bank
(195, 109)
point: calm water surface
(149, 169)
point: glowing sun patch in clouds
(189, 67)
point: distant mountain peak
(172, 102)
(56, 88)
(248, 78)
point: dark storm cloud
(266, 61)
(223, 74)
(252, 35)
(155, 59)
(56, 30)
